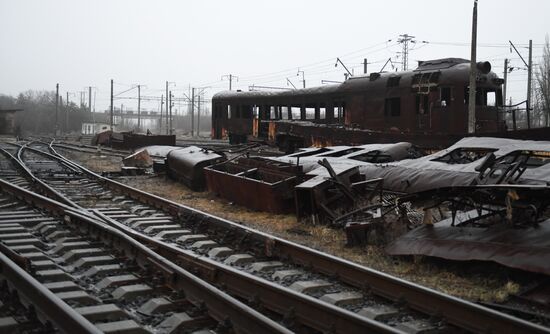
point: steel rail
(309, 311)
(455, 311)
(45, 302)
(220, 306)
(28, 173)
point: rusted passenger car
(425, 105)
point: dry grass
(95, 162)
(449, 278)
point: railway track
(300, 287)
(78, 275)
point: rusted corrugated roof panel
(521, 248)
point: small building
(92, 128)
(7, 121)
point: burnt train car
(426, 106)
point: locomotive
(427, 106)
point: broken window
(284, 112)
(445, 96)
(464, 155)
(322, 112)
(341, 153)
(534, 159)
(393, 81)
(309, 153)
(426, 78)
(373, 157)
(295, 112)
(490, 98)
(392, 107)
(310, 112)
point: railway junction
(84, 249)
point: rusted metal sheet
(128, 140)
(333, 192)
(133, 140)
(255, 183)
(526, 249)
(507, 224)
(187, 164)
(139, 159)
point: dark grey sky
(86, 43)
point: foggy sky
(87, 43)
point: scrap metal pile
(480, 199)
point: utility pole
(199, 114)
(170, 112)
(505, 85)
(67, 113)
(529, 73)
(529, 79)
(473, 75)
(193, 109)
(167, 107)
(56, 108)
(303, 78)
(139, 107)
(161, 104)
(405, 39)
(111, 105)
(365, 66)
(231, 77)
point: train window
(309, 153)
(393, 81)
(464, 155)
(272, 112)
(255, 111)
(375, 156)
(480, 97)
(392, 107)
(284, 112)
(491, 98)
(228, 111)
(310, 113)
(445, 96)
(322, 113)
(295, 112)
(341, 153)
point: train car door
(422, 103)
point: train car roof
(451, 70)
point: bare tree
(542, 90)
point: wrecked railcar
(459, 164)
(187, 165)
(255, 183)
(427, 106)
(334, 184)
